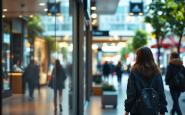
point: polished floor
(43, 103)
(95, 107)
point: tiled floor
(95, 107)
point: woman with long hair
(143, 73)
(119, 72)
(57, 83)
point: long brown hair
(58, 66)
(145, 64)
(119, 64)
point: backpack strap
(154, 79)
(140, 79)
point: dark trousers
(175, 97)
(31, 89)
(119, 78)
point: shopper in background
(106, 70)
(112, 68)
(145, 74)
(57, 83)
(31, 76)
(175, 65)
(119, 72)
(16, 67)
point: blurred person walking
(31, 76)
(175, 66)
(145, 90)
(106, 70)
(57, 83)
(119, 72)
(112, 68)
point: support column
(78, 62)
(89, 62)
(1, 37)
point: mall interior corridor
(43, 102)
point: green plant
(107, 87)
(98, 80)
(140, 39)
(155, 16)
(34, 28)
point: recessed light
(20, 16)
(3, 16)
(45, 9)
(5, 10)
(49, 14)
(93, 8)
(42, 4)
(94, 15)
(58, 14)
(31, 16)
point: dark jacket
(58, 82)
(118, 71)
(134, 88)
(31, 74)
(171, 71)
(112, 68)
(106, 69)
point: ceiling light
(94, 20)
(94, 46)
(93, 8)
(113, 44)
(131, 13)
(3, 16)
(49, 14)
(20, 16)
(93, 23)
(140, 13)
(94, 15)
(31, 16)
(57, 0)
(104, 44)
(5, 10)
(45, 9)
(60, 18)
(58, 14)
(42, 4)
(110, 38)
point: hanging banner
(136, 8)
(53, 8)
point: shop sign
(136, 8)
(100, 33)
(53, 8)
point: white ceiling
(105, 6)
(32, 7)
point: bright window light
(110, 48)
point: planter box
(97, 89)
(109, 98)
